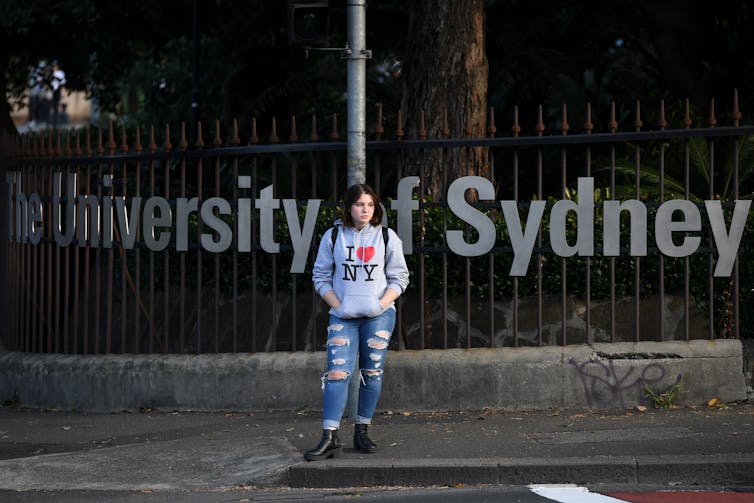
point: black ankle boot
(329, 447)
(362, 442)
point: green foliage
(666, 399)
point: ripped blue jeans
(368, 339)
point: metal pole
(357, 134)
(357, 56)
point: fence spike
(235, 141)
(736, 111)
(152, 143)
(445, 128)
(422, 130)
(540, 123)
(124, 144)
(110, 137)
(334, 135)
(491, 129)
(687, 117)
(168, 145)
(58, 144)
(254, 140)
(565, 127)
(138, 147)
(199, 135)
(68, 150)
(88, 142)
(293, 138)
(100, 145)
(78, 150)
(217, 142)
(379, 129)
(313, 136)
(183, 143)
(638, 123)
(613, 124)
(50, 147)
(662, 122)
(399, 127)
(516, 129)
(712, 121)
(588, 125)
(274, 134)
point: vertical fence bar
(446, 135)
(36, 268)
(516, 129)
(423, 305)
(563, 266)
(217, 143)
(588, 127)
(313, 137)
(637, 260)
(235, 141)
(254, 249)
(710, 259)
(45, 248)
(122, 251)
(399, 306)
(378, 131)
(613, 127)
(166, 253)
(540, 130)
(293, 138)
(491, 160)
(152, 329)
(199, 226)
(736, 116)
(110, 251)
(85, 241)
(183, 145)
(47, 244)
(28, 266)
(662, 123)
(272, 341)
(98, 251)
(467, 260)
(686, 182)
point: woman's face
(362, 211)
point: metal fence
(148, 246)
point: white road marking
(569, 493)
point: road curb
(728, 469)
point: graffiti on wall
(608, 384)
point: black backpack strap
(385, 237)
(334, 235)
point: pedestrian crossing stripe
(569, 493)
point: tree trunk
(445, 72)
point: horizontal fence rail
(118, 247)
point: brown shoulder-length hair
(353, 193)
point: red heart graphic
(365, 253)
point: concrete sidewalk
(48, 450)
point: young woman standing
(359, 273)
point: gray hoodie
(359, 269)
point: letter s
(458, 205)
